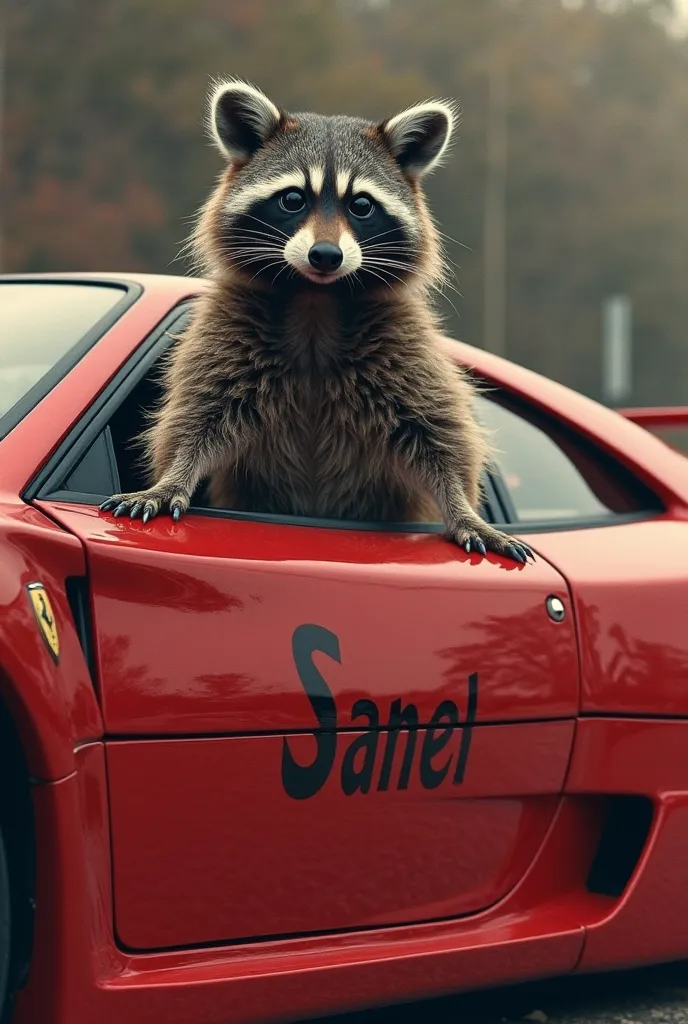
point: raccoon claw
(481, 538)
(517, 555)
(150, 503)
(528, 552)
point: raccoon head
(311, 201)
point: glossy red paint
(175, 793)
(222, 598)
(648, 923)
(54, 706)
(630, 587)
(549, 924)
(659, 416)
(85, 976)
(334, 861)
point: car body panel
(236, 602)
(227, 596)
(630, 593)
(635, 756)
(156, 901)
(187, 819)
(53, 705)
(661, 416)
(89, 976)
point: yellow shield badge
(45, 618)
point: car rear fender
(52, 699)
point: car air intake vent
(623, 839)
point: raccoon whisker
(275, 264)
(186, 243)
(257, 259)
(253, 257)
(253, 233)
(254, 248)
(279, 272)
(447, 299)
(277, 231)
(381, 263)
(379, 276)
(251, 240)
(255, 243)
(440, 290)
(185, 250)
(396, 257)
(380, 234)
(454, 240)
(357, 279)
(274, 251)
(390, 243)
(386, 270)
(387, 247)
(240, 257)
(348, 280)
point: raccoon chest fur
(323, 455)
(320, 445)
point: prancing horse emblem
(45, 618)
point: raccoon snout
(325, 257)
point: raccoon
(310, 381)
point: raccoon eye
(292, 201)
(361, 206)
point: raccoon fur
(310, 381)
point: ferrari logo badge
(45, 618)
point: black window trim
(82, 435)
(47, 484)
(130, 290)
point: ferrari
(258, 768)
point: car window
(543, 473)
(41, 324)
(551, 476)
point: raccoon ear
(242, 119)
(418, 136)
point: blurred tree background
(574, 121)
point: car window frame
(575, 447)
(130, 292)
(48, 483)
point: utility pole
(494, 225)
(617, 350)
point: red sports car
(257, 768)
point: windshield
(39, 325)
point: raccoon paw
(480, 537)
(149, 503)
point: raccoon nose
(326, 257)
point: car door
(625, 559)
(311, 727)
(624, 553)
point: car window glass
(543, 481)
(40, 324)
